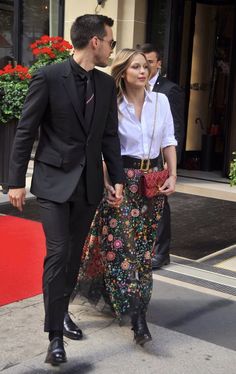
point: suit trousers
(66, 226)
(162, 246)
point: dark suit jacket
(176, 99)
(65, 145)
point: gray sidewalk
(192, 342)
(193, 327)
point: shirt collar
(149, 96)
(78, 70)
(152, 81)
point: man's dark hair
(87, 26)
(148, 48)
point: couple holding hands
(94, 129)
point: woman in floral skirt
(120, 244)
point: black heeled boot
(142, 334)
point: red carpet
(22, 248)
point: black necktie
(89, 100)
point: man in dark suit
(176, 99)
(76, 108)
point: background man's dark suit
(175, 96)
(68, 169)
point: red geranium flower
(14, 74)
(54, 47)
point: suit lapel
(159, 83)
(69, 84)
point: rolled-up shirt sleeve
(168, 134)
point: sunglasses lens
(113, 44)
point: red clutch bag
(150, 183)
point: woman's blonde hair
(120, 64)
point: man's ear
(94, 42)
(159, 63)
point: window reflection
(6, 32)
(35, 23)
(30, 19)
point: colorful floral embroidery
(105, 230)
(130, 173)
(134, 212)
(125, 265)
(117, 243)
(133, 188)
(110, 256)
(110, 238)
(126, 238)
(147, 255)
(113, 223)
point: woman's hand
(169, 186)
(170, 157)
(114, 196)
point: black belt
(136, 163)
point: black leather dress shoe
(158, 262)
(71, 330)
(56, 354)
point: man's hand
(114, 195)
(17, 197)
(119, 191)
(169, 186)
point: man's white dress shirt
(153, 80)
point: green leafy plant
(232, 171)
(49, 50)
(14, 82)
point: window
(6, 32)
(34, 24)
(24, 21)
(158, 27)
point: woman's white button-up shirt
(135, 136)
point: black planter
(7, 134)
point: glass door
(211, 62)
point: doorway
(208, 54)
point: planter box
(7, 134)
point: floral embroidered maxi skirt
(119, 247)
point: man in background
(175, 96)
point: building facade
(197, 38)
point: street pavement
(193, 333)
(193, 329)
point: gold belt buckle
(145, 165)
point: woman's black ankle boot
(142, 334)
